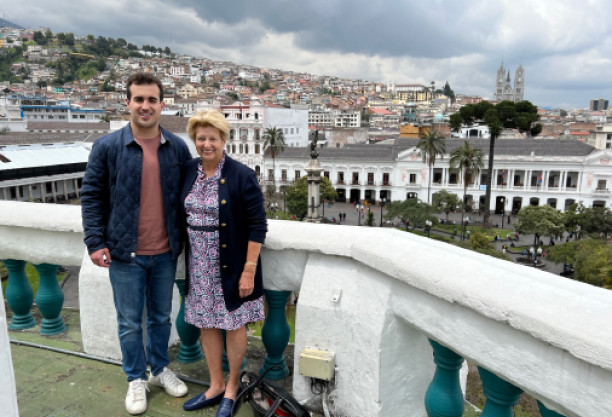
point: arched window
(241, 148)
(233, 148)
(228, 149)
(231, 133)
(246, 148)
(257, 149)
(257, 170)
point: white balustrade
(548, 336)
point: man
(130, 209)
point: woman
(226, 226)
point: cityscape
(446, 240)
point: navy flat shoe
(225, 408)
(200, 401)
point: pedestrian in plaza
(226, 225)
(132, 226)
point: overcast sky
(564, 45)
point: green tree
(297, 195)
(430, 146)
(167, 50)
(121, 42)
(563, 113)
(413, 212)
(540, 220)
(131, 47)
(446, 202)
(591, 258)
(448, 92)
(101, 64)
(203, 79)
(370, 220)
(506, 115)
(106, 87)
(69, 41)
(39, 38)
(597, 220)
(470, 162)
(232, 95)
(216, 85)
(275, 140)
(90, 37)
(61, 37)
(573, 216)
(49, 35)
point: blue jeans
(149, 278)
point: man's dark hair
(144, 78)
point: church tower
(499, 83)
(519, 84)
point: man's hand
(247, 282)
(101, 258)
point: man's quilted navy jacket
(110, 195)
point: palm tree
(470, 161)
(275, 139)
(431, 145)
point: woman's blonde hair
(209, 118)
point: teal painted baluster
(190, 349)
(225, 363)
(444, 397)
(19, 295)
(501, 396)
(275, 334)
(50, 300)
(548, 413)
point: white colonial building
(248, 123)
(536, 172)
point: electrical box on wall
(318, 364)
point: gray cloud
(564, 45)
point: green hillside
(4, 23)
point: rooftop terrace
(400, 312)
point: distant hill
(4, 23)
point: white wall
(8, 393)
(289, 118)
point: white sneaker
(136, 398)
(169, 381)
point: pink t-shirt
(152, 232)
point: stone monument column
(313, 172)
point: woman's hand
(247, 281)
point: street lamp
(323, 204)
(428, 225)
(382, 204)
(503, 211)
(359, 212)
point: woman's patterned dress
(204, 304)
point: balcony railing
(355, 182)
(383, 301)
(601, 192)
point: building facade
(503, 85)
(41, 109)
(248, 123)
(526, 172)
(598, 105)
(334, 118)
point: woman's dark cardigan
(242, 218)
